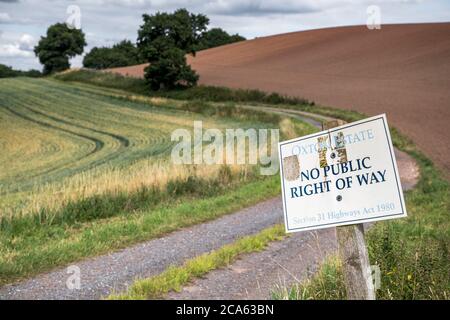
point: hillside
(87, 170)
(66, 142)
(401, 70)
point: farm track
(104, 274)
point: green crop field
(61, 141)
(79, 161)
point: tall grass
(112, 181)
(414, 253)
(56, 155)
(144, 192)
(36, 250)
(326, 284)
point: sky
(105, 22)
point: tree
(164, 40)
(216, 37)
(122, 54)
(8, 72)
(33, 73)
(59, 45)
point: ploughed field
(401, 70)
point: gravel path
(101, 275)
(256, 275)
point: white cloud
(4, 17)
(13, 50)
(23, 47)
(26, 42)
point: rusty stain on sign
(322, 150)
(291, 167)
(342, 154)
(339, 143)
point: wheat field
(64, 142)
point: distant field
(401, 70)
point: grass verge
(326, 284)
(101, 206)
(41, 249)
(174, 278)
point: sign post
(343, 176)
(353, 253)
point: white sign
(344, 175)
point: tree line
(8, 72)
(126, 53)
(164, 39)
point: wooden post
(353, 253)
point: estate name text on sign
(344, 175)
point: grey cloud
(226, 7)
(4, 17)
(259, 7)
(108, 21)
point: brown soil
(400, 70)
